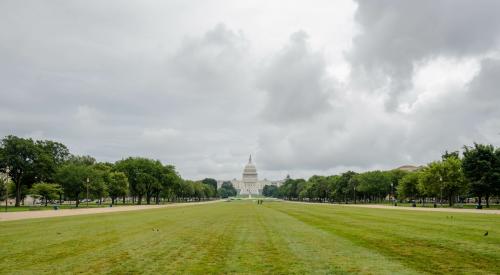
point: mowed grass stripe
(258, 248)
(321, 252)
(243, 237)
(428, 242)
(94, 243)
(193, 245)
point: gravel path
(21, 215)
(453, 210)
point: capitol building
(250, 183)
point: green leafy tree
(395, 177)
(97, 185)
(170, 182)
(144, 175)
(343, 186)
(19, 155)
(81, 160)
(443, 179)
(117, 185)
(227, 190)
(374, 184)
(319, 188)
(47, 191)
(73, 179)
(454, 154)
(496, 175)
(186, 189)
(199, 191)
(335, 194)
(50, 156)
(407, 188)
(453, 178)
(4, 182)
(308, 191)
(481, 167)
(429, 184)
(211, 182)
(269, 191)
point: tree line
(455, 178)
(48, 170)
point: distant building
(250, 183)
(409, 168)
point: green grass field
(243, 237)
(50, 207)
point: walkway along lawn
(243, 237)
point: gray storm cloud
(395, 35)
(295, 82)
(202, 85)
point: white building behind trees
(250, 183)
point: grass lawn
(493, 206)
(11, 208)
(243, 237)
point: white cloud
(306, 87)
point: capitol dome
(250, 172)
(249, 183)
(250, 168)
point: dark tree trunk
(479, 200)
(18, 194)
(488, 201)
(112, 200)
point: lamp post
(392, 196)
(88, 192)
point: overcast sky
(306, 87)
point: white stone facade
(250, 183)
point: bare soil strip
(377, 206)
(21, 215)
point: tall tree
(343, 186)
(169, 179)
(19, 155)
(51, 155)
(211, 182)
(481, 169)
(407, 187)
(443, 179)
(268, 191)
(453, 178)
(47, 191)
(227, 190)
(4, 182)
(375, 184)
(117, 185)
(321, 187)
(73, 179)
(144, 176)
